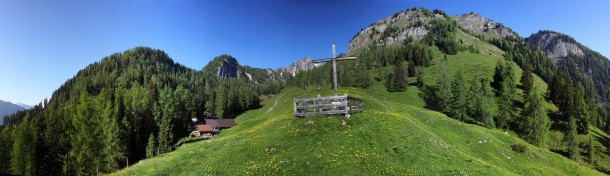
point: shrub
(519, 148)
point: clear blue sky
(44, 43)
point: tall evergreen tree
(507, 88)
(23, 154)
(486, 104)
(399, 83)
(444, 92)
(412, 70)
(150, 147)
(420, 77)
(580, 110)
(527, 78)
(534, 122)
(458, 101)
(570, 139)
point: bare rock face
(394, 29)
(229, 68)
(555, 45)
(294, 68)
(481, 25)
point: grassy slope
(392, 136)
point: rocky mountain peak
(228, 68)
(481, 25)
(294, 68)
(394, 29)
(555, 45)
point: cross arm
(331, 59)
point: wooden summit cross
(328, 105)
(334, 59)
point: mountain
(584, 65)
(226, 66)
(7, 108)
(25, 106)
(137, 107)
(394, 29)
(556, 45)
(294, 68)
(482, 26)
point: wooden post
(127, 161)
(334, 70)
(295, 107)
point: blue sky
(44, 43)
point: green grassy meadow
(393, 136)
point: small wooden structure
(211, 127)
(327, 106)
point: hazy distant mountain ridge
(7, 108)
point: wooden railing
(327, 106)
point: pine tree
(570, 139)
(591, 150)
(412, 71)
(150, 147)
(507, 88)
(23, 154)
(166, 108)
(487, 104)
(527, 78)
(458, 101)
(399, 81)
(6, 147)
(444, 92)
(498, 77)
(534, 122)
(420, 77)
(580, 110)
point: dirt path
(274, 104)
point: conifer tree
(534, 122)
(420, 77)
(527, 78)
(399, 81)
(444, 92)
(458, 101)
(487, 104)
(22, 153)
(570, 139)
(507, 88)
(150, 147)
(412, 70)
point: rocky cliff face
(483, 26)
(229, 68)
(225, 66)
(294, 68)
(555, 45)
(394, 29)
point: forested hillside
(449, 65)
(106, 116)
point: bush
(519, 148)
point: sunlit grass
(393, 136)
